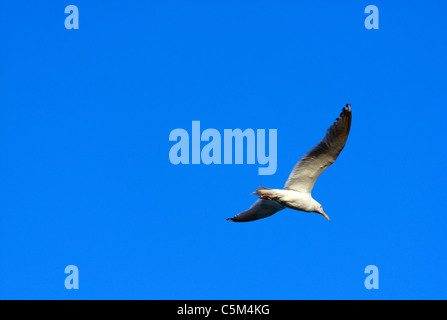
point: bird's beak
(324, 215)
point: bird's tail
(259, 191)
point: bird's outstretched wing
(322, 155)
(260, 209)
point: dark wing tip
(347, 114)
(340, 128)
(346, 109)
(344, 119)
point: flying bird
(296, 194)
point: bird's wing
(260, 209)
(322, 155)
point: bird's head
(318, 208)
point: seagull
(296, 194)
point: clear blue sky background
(85, 177)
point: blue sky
(85, 117)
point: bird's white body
(288, 198)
